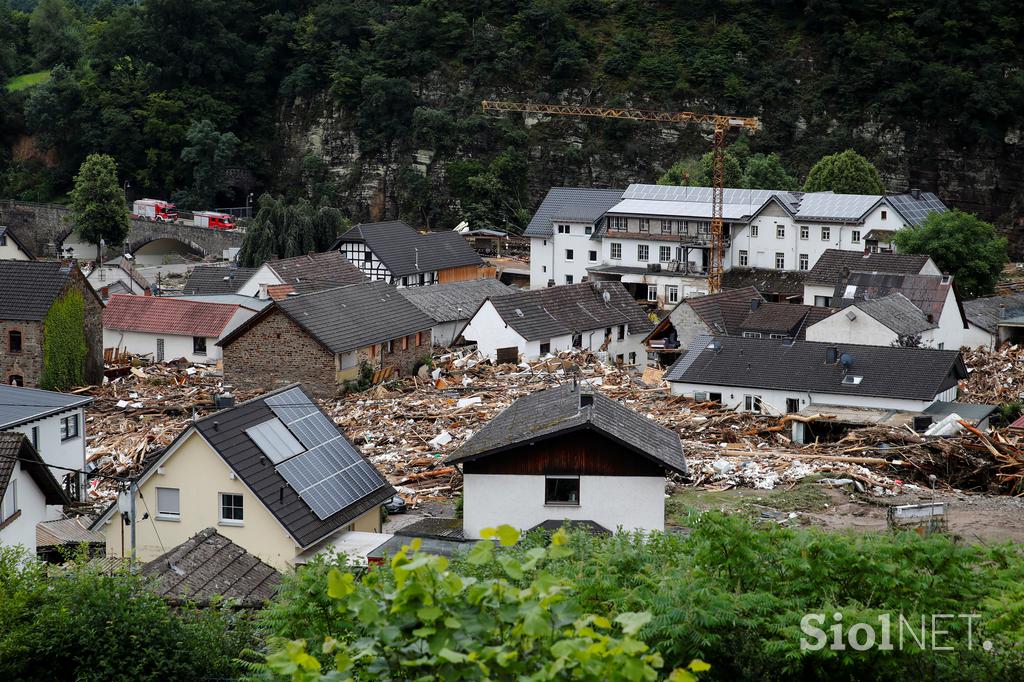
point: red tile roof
(160, 315)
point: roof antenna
(417, 250)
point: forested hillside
(374, 106)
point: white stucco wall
(10, 251)
(32, 503)
(444, 334)
(864, 330)
(774, 401)
(632, 502)
(262, 276)
(540, 262)
(174, 346)
(489, 332)
(68, 453)
(106, 275)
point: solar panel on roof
(275, 440)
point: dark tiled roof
(64, 532)
(585, 525)
(927, 292)
(776, 364)
(209, 279)
(28, 288)
(330, 266)
(898, 313)
(554, 411)
(443, 302)
(833, 262)
(723, 312)
(775, 318)
(14, 446)
(10, 234)
(225, 432)
(571, 309)
(20, 405)
(782, 282)
(208, 565)
(404, 251)
(571, 204)
(987, 312)
(814, 315)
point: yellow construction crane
(721, 124)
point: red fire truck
(154, 209)
(213, 220)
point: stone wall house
(323, 338)
(28, 289)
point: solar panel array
(275, 440)
(916, 210)
(698, 194)
(328, 474)
(828, 206)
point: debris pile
(994, 376)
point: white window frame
(643, 253)
(672, 293)
(9, 503)
(592, 256)
(826, 233)
(805, 232)
(165, 514)
(588, 229)
(66, 424)
(618, 223)
(804, 262)
(569, 279)
(615, 250)
(564, 229)
(666, 226)
(703, 227)
(752, 403)
(570, 255)
(664, 254)
(643, 224)
(652, 293)
(240, 507)
(753, 229)
(780, 260)
(743, 258)
(780, 231)
(751, 335)
(855, 236)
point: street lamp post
(248, 203)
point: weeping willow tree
(64, 347)
(281, 230)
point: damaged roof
(216, 279)
(64, 532)
(404, 251)
(167, 315)
(456, 300)
(571, 204)
(329, 266)
(927, 292)
(723, 312)
(801, 366)
(571, 309)
(785, 283)
(898, 313)
(831, 264)
(989, 311)
(554, 411)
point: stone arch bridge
(44, 227)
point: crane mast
(720, 124)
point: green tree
(209, 153)
(766, 172)
(960, 244)
(64, 347)
(56, 33)
(282, 230)
(698, 174)
(97, 202)
(844, 173)
(685, 173)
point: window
(826, 234)
(568, 279)
(16, 380)
(780, 260)
(777, 336)
(804, 261)
(704, 227)
(618, 223)
(855, 236)
(562, 490)
(543, 268)
(792, 405)
(666, 226)
(805, 232)
(588, 229)
(577, 340)
(642, 252)
(632, 358)
(664, 253)
(751, 335)
(568, 254)
(743, 258)
(622, 332)
(752, 403)
(652, 292)
(3, 240)
(10, 505)
(69, 427)
(592, 256)
(199, 345)
(563, 229)
(545, 348)
(367, 256)
(419, 338)
(780, 231)
(942, 345)
(390, 346)
(616, 250)
(231, 509)
(683, 227)
(753, 230)
(423, 279)
(35, 437)
(672, 293)
(885, 215)
(14, 341)
(645, 224)
(405, 343)
(168, 504)
(822, 301)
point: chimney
(1002, 311)
(417, 252)
(915, 192)
(263, 291)
(755, 303)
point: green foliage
(960, 244)
(209, 153)
(27, 80)
(844, 173)
(363, 380)
(64, 347)
(97, 202)
(84, 625)
(742, 169)
(57, 33)
(685, 173)
(418, 619)
(766, 172)
(690, 174)
(1008, 413)
(283, 230)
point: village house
(1001, 317)
(168, 328)
(301, 274)
(11, 248)
(834, 264)
(117, 276)
(273, 475)
(451, 305)
(322, 339)
(209, 280)
(783, 376)
(28, 290)
(27, 491)
(656, 239)
(54, 424)
(597, 316)
(567, 453)
(885, 321)
(395, 253)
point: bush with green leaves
(64, 346)
(418, 619)
(844, 173)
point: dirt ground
(971, 518)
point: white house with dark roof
(820, 281)
(302, 274)
(11, 248)
(28, 491)
(567, 453)
(451, 305)
(117, 276)
(597, 316)
(876, 322)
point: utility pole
(133, 490)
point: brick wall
(402, 359)
(276, 352)
(27, 364)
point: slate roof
(347, 318)
(64, 532)
(898, 313)
(775, 318)
(571, 204)
(16, 450)
(209, 565)
(19, 405)
(989, 311)
(831, 207)
(786, 283)
(404, 251)
(443, 302)
(329, 266)
(777, 364)
(833, 262)
(571, 309)
(209, 279)
(927, 292)
(29, 287)
(723, 312)
(555, 411)
(167, 315)
(10, 234)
